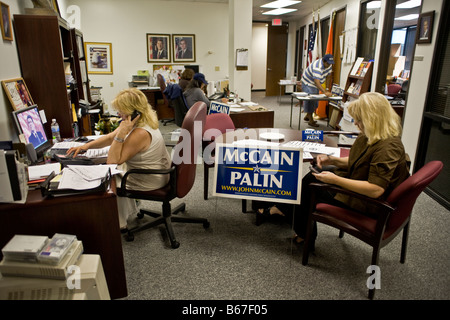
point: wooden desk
(163, 111)
(252, 119)
(93, 218)
(307, 98)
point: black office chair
(162, 87)
(177, 101)
(182, 178)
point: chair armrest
(385, 206)
(170, 171)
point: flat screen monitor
(29, 122)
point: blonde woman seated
(377, 164)
(136, 144)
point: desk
(307, 98)
(154, 94)
(252, 119)
(285, 83)
(93, 218)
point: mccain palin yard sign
(264, 173)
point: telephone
(135, 114)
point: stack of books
(41, 257)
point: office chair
(393, 90)
(162, 87)
(393, 216)
(177, 102)
(182, 178)
(221, 122)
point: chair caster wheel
(175, 244)
(206, 224)
(129, 237)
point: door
(276, 58)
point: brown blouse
(383, 163)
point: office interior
(222, 27)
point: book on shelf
(43, 270)
(366, 68)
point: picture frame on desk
(425, 27)
(99, 57)
(158, 47)
(183, 47)
(5, 22)
(17, 93)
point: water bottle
(55, 131)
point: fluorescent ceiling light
(373, 5)
(408, 17)
(279, 4)
(277, 12)
(409, 4)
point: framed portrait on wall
(17, 93)
(5, 22)
(425, 27)
(158, 47)
(183, 47)
(98, 57)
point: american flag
(311, 45)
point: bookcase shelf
(358, 82)
(46, 51)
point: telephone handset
(135, 114)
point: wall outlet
(111, 84)
(217, 68)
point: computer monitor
(29, 123)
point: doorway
(277, 39)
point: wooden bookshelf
(358, 82)
(47, 50)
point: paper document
(67, 145)
(255, 142)
(248, 103)
(97, 153)
(314, 147)
(42, 171)
(85, 177)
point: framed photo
(98, 57)
(17, 93)
(425, 27)
(5, 22)
(183, 47)
(158, 47)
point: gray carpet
(236, 260)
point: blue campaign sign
(312, 135)
(217, 107)
(265, 173)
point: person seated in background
(135, 144)
(376, 165)
(185, 78)
(195, 90)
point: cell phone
(313, 169)
(135, 114)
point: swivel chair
(182, 178)
(393, 216)
(221, 122)
(162, 87)
(177, 102)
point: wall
(419, 79)
(125, 24)
(351, 21)
(259, 56)
(10, 69)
